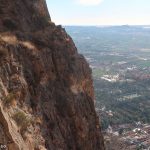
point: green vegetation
(42, 21)
(9, 24)
(22, 120)
(9, 99)
(129, 110)
(97, 73)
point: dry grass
(11, 39)
(28, 45)
(22, 120)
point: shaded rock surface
(46, 90)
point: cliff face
(46, 92)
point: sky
(100, 12)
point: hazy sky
(100, 12)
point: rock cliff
(46, 90)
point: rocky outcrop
(46, 90)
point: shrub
(41, 21)
(9, 98)
(3, 52)
(9, 24)
(22, 120)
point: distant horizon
(106, 25)
(100, 12)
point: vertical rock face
(46, 91)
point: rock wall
(46, 90)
